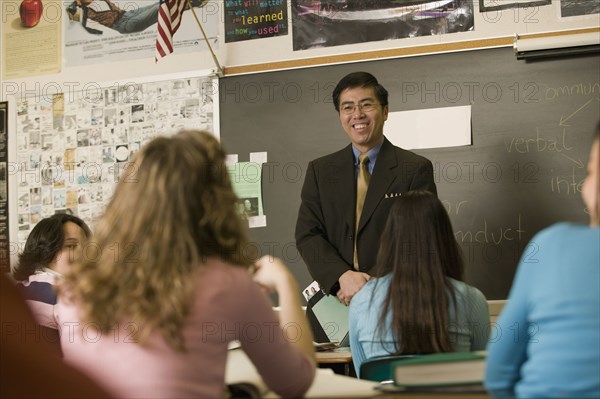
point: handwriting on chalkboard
(255, 19)
(568, 185)
(524, 145)
(484, 234)
(578, 89)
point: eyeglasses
(349, 108)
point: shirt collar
(372, 154)
(49, 271)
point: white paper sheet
(430, 128)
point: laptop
(330, 320)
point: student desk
(329, 385)
(434, 395)
(337, 359)
(326, 383)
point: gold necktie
(362, 184)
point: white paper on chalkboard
(258, 157)
(430, 128)
(257, 221)
(231, 159)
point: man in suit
(326, 226)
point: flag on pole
(169, 19)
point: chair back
(380, 368)
(495, 308)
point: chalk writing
(567, 185)
(448, 205)
(578, 89)
(563, 120)
(495, 235)
(524, 145)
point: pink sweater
(227, 305)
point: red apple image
(31, 12)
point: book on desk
(441, 372)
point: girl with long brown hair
(419, 304)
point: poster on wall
(254, 19)
(573, 8)
(100, 31)
(73, 149)
(4, 236)
(495, 5)
(328, 23)
(246, 179)
(31, 38)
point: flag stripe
(169, 20)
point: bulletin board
(4, 230)
(72, 148)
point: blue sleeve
(507, 349)
(480, 317)
(358, 354)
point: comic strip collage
(74, 147)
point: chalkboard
(532, 125)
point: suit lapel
(382, 178)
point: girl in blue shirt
(550, 341)
(419, 305)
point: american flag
(169, 19)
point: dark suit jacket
(325, 226)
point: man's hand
(350, 283)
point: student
(419, 304)
(152, 314)
(550, 341)
(50, 250)
(346, 201)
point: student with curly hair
(172, 285)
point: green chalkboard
(532, 126)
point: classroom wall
(277, 53)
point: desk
(326, 384)
(434, 395)
(329, 385)
(339, 356)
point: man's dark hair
(359, 79)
